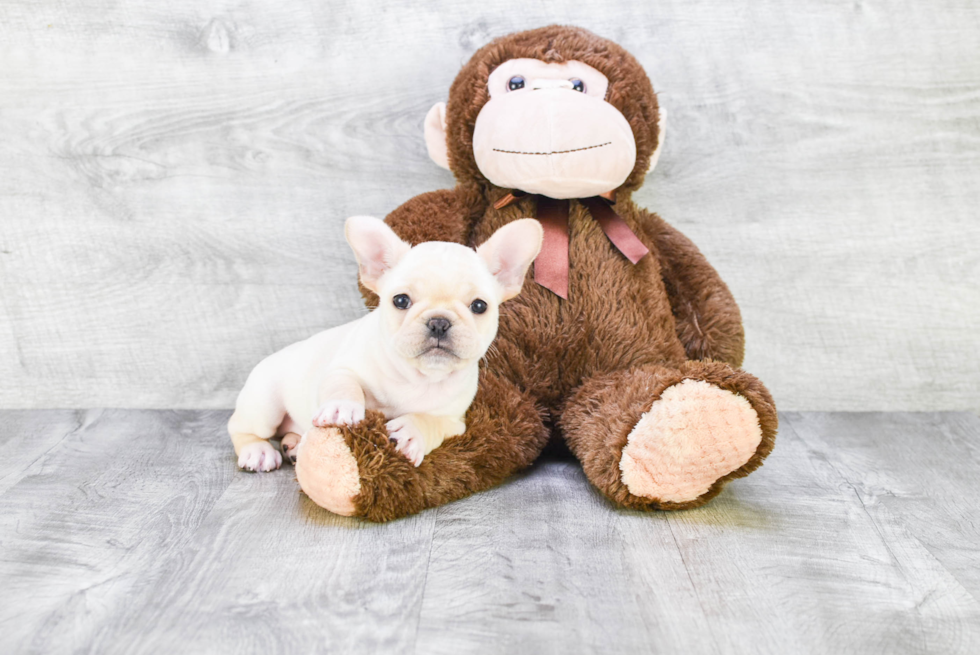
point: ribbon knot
(551, 264)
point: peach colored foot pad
(327, 471)
(694, 434)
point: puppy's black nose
(438, 326)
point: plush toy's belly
(617, 316)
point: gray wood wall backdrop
(174, 177)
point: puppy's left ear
(376, 247)
(509, 252)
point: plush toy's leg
(661, 438)
(356, 471)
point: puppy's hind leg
(257, 417)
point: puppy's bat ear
(376, 247)
(509, 252)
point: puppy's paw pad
(259, 456)
(339, 412)
(408, 439)
(289, 445)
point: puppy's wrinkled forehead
(444, 269)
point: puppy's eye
(515, 83)
(401, 301)
(478, 306)
(578, 85)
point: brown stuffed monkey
(624, 342)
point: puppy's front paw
(408, 437)
(339, 412)
(259, 456)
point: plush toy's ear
(509, 252)
(376, 247)
(661, 123)
(435, 135)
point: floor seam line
(697, 595)
(425, 579)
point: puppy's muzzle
(438, 327)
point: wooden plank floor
(128, 531)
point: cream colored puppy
(415, 358)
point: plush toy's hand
(409, 438)
(339, 412)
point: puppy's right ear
(376, 247)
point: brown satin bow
(551, 265)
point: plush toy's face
(556, 111)
(548, 129)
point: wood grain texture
(133, 532)
(174, 177)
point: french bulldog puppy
(415, 358)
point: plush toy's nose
(438, 326)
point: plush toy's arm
(435, 216)
(709, 323)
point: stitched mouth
(553, 152)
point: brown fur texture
(708, 321)
(586, 368)
(505, 433)
(600, 415)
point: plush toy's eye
(515, 83)
(478, 306)
(401, 301)
(578, 85)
